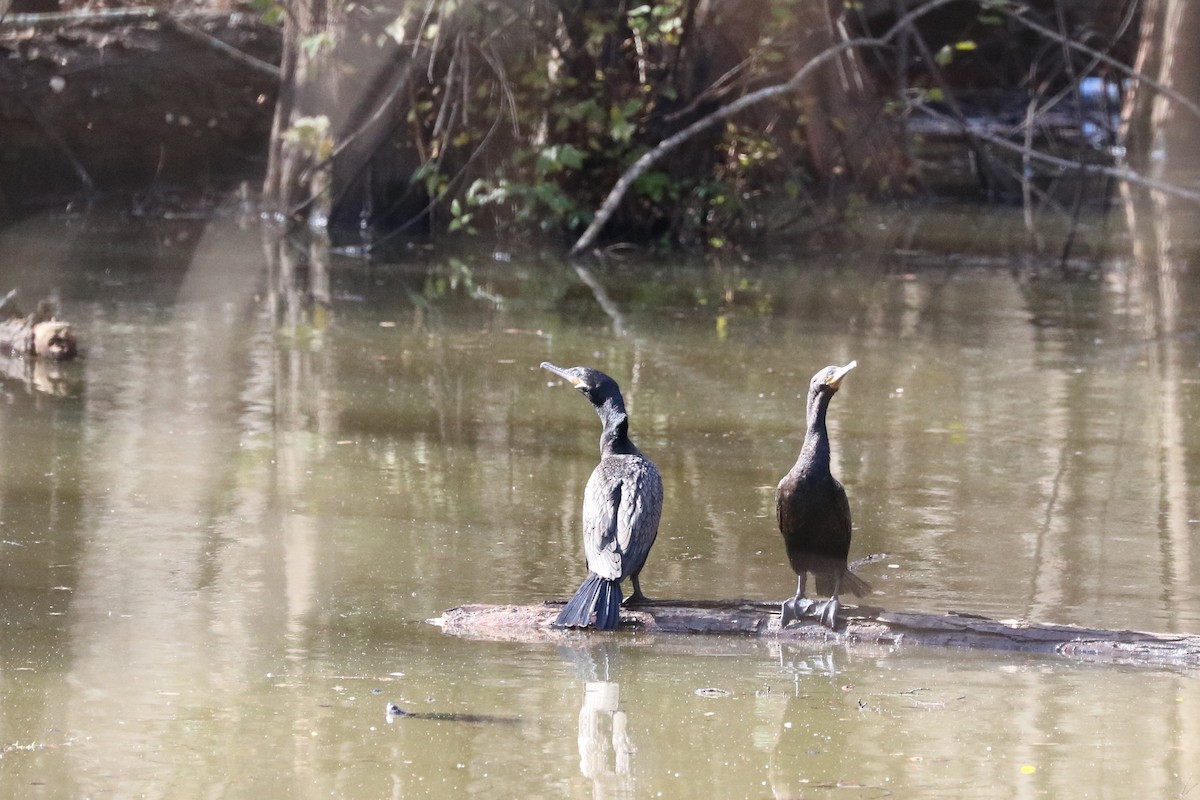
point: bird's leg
(637, 598)
(828, 610)
(795, 607)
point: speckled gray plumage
(622, 504)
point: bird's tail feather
(847, 583)
(597, 597)
(855, 585)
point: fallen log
(857, 625)
(38, 335)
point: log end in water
(39, 335)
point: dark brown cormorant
(621, 507)
(814, 515)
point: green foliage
(522, 118)
(947, 53)
(579, 114)
(654, 186)
(556, 158)
(317, 44)
(455, 277)
(311, 135)
(270, 11)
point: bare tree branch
(639, 167)
(1126, 175)
(1104, 58)
(651, 157)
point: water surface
(221, 538)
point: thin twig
(170, 22)
(651, 157)
(1124, 69)
(1126, 175)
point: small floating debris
(712, 692)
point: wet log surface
(51, 339)
(862, 625)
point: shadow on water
(221, 547)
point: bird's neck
(814, 453)
(614, 439)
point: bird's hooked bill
(562, 373)
(835, 380)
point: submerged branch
(93, 18)
(175, 21)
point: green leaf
(570, 156)
(558, 157)
(654, 185)
(316, 44)
(619, 126)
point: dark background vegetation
(389, 120)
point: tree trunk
(852, 143)
(302, 135)
(1159, 131)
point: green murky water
(220, 544)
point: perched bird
(622, 503)
(814, 515)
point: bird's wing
(601, 501)
(841, 511)
(783, 506)
(621, 509)
(638, 515)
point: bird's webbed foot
(828, 611)
(636, 599)
(793, 609)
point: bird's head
(593, 384)
(827, 380)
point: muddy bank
(132, 100)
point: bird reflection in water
(605, 747)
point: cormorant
(814, 515)
(622, 504)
